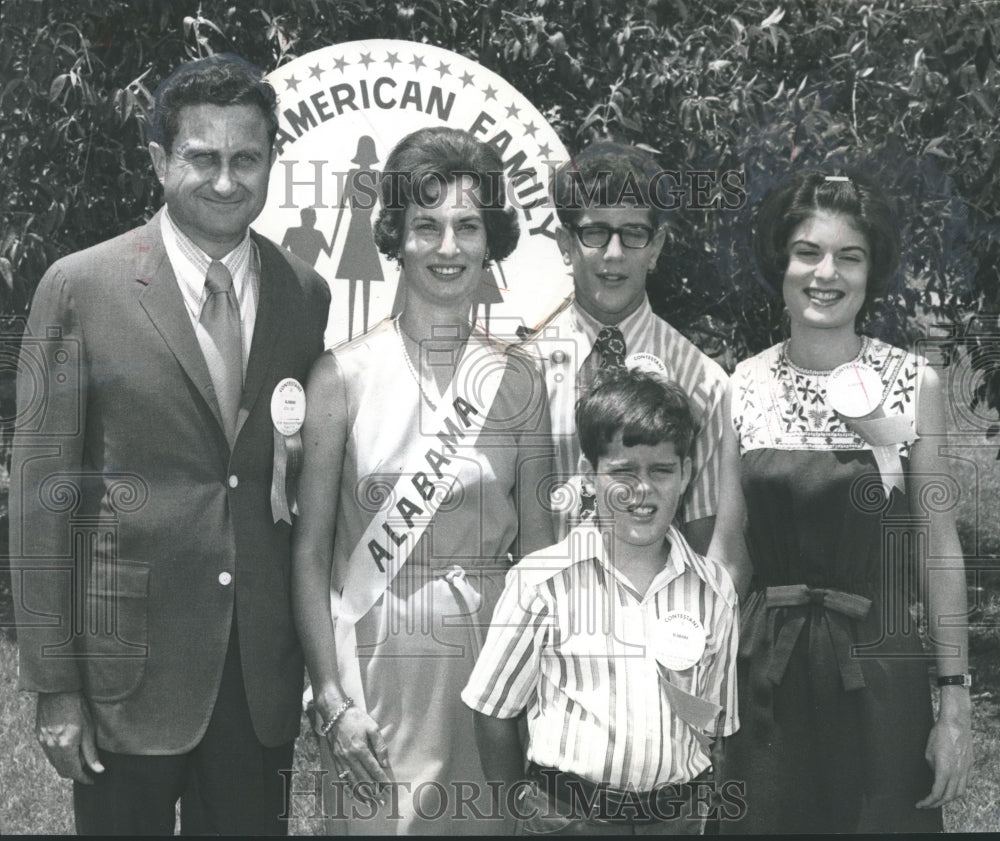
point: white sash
(391, 536)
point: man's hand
(65, 731)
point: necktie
(221, 319)
(608, 352)
(610, 344)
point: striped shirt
(572, 642)
(190, 265)
(563, 345)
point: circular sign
(680, 641)
(288, 406)
(854, 390)
(341, 110)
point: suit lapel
(162, 301)
(270, 316)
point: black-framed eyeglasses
(598, 236)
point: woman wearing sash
(834, 440)
(424, 446)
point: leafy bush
(907, 90)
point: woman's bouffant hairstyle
(793, 201)
(646, 408)
(417, 171)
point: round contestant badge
(854, 390)
(680, 641)
(647, 363)
(288, 406)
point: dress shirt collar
(190, 264)
(630, 326)
(677, 559)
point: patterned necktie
(221, 319)
(608, 352)
(610, 344)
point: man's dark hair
(803, 195)
(224, 79)
(646, 408)
(607, 174)
(420, 166)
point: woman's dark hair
(645, 408)
(223, 79)
(795, 200)
(417, 170)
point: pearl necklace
(409, 364)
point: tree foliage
(903, 89)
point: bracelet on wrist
(331, 722)
(955, 680)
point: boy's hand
(716, 752)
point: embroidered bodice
(777, 404)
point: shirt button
(225, 579)
(234, 481)
(558, 357)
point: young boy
(619, 641)
(612, 203)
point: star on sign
(417, 62)
(315, 72)
(544, 150)
(467, 79)
(490, 93)
(341, 63)
(512, 110)
(444, 69)
(530, 129)
(366, 59)
(292, 84)
(392, 59)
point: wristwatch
(955, 680)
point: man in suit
(611, 201)
(153, 607)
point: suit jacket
(136, 530)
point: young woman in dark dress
(836, 516)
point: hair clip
(836, 178)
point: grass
(33, 798)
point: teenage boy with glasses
(611, 213)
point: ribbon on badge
(854, 392)
(678, 644)
(288, 411)
(697, 713)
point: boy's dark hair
(607, 174)
(430, 158)
(646, 408)
(793, 201)
(223, 79)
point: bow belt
(841, 607)
(468, 600)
